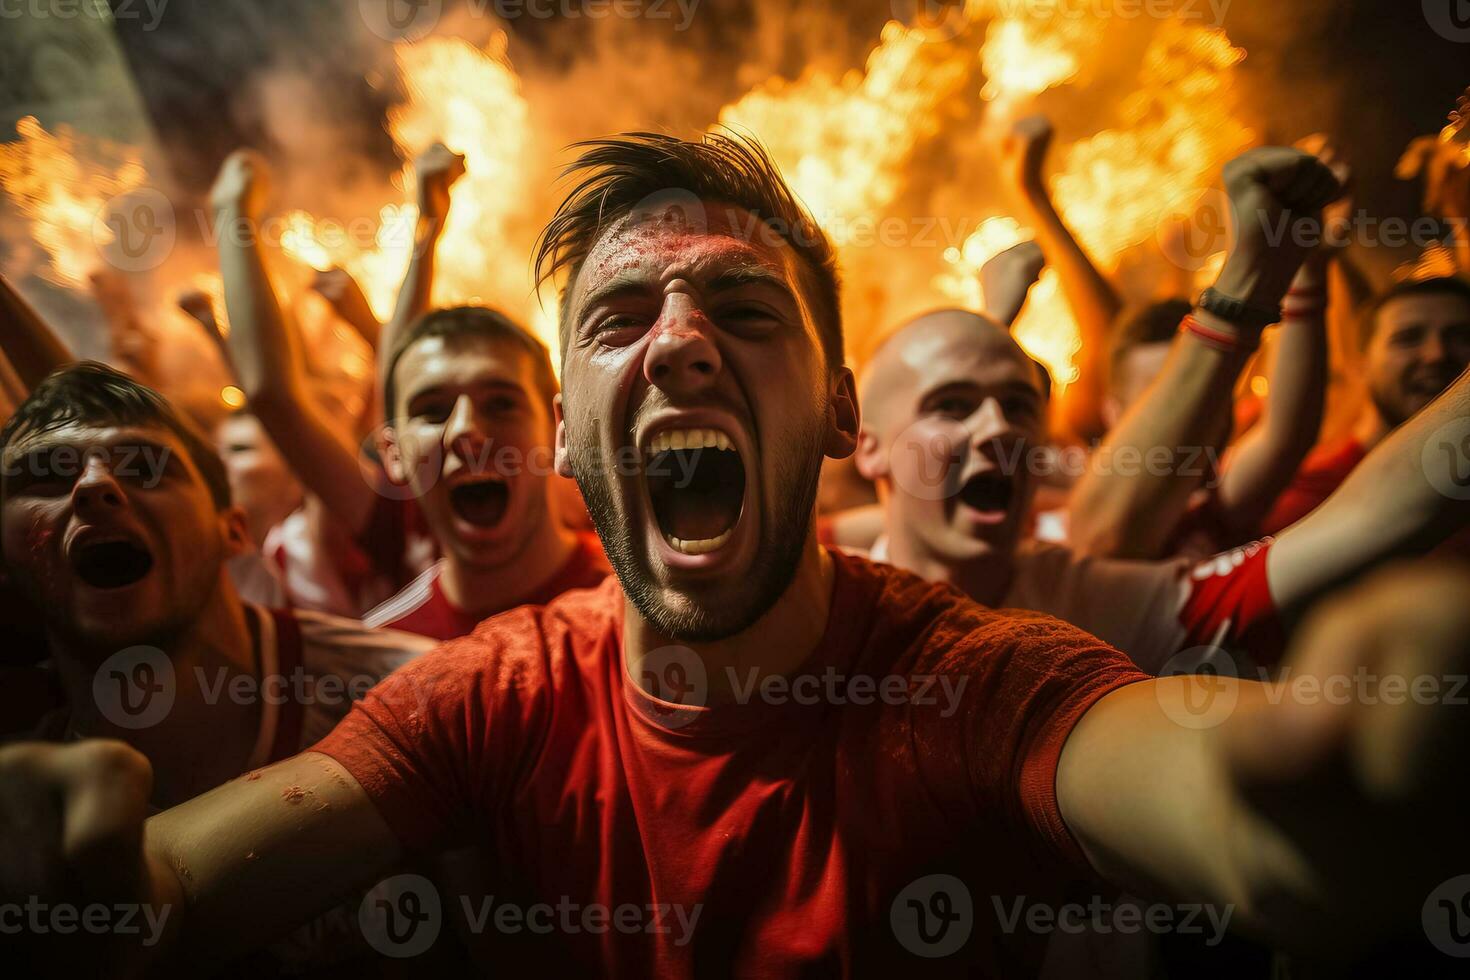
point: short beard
(778, 554)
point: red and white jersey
(423, 608)
(350, 577)
(320, 664)
(1151, 610)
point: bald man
(953, 423)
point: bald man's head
(950, 403)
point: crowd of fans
(531, 637)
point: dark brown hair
(620, 174)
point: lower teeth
(702, 547)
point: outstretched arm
(435, 172)
(31, 346)
(1128, 511)
(1093, 300)
(1408, 495)
(1321, 822)
(265, 349)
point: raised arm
(347, 299)
(1262, 463)
(31, 346)
(435, 172)
(1093, 300)
(1125, 508)
(1321, 821)
(265, 349)
(226, 872)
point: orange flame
(60, 182)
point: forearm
(31, 346)
(263, 348)
(1137, 487)
(415, 298)
(1094, 303)
(265, 352)
(311, 838)
(1266, 458)
(1398, 501)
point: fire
(843, 143)
(469, 98)
(1176, 131)
(59, 182)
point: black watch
(1237, 311)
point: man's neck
(777, 644)
(985, 578)
(206, 737)
(483, 590)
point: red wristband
(1219, 339)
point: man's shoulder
(327, 638)
(907, 617)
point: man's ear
(391, 455)
(237, 532)
(563, 463)
(844, 418)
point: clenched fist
(243, 184)
(1023, 151)
(1276, 198)
(71, 842)
(435, 172)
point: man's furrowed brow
(621, 283)
(748, 275)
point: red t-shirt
(1321, 473)
(423, 608)
(792, 833)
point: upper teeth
(688, 439)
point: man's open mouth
(111, 564)
(988, 493)
(480, 502)
(696, 482)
